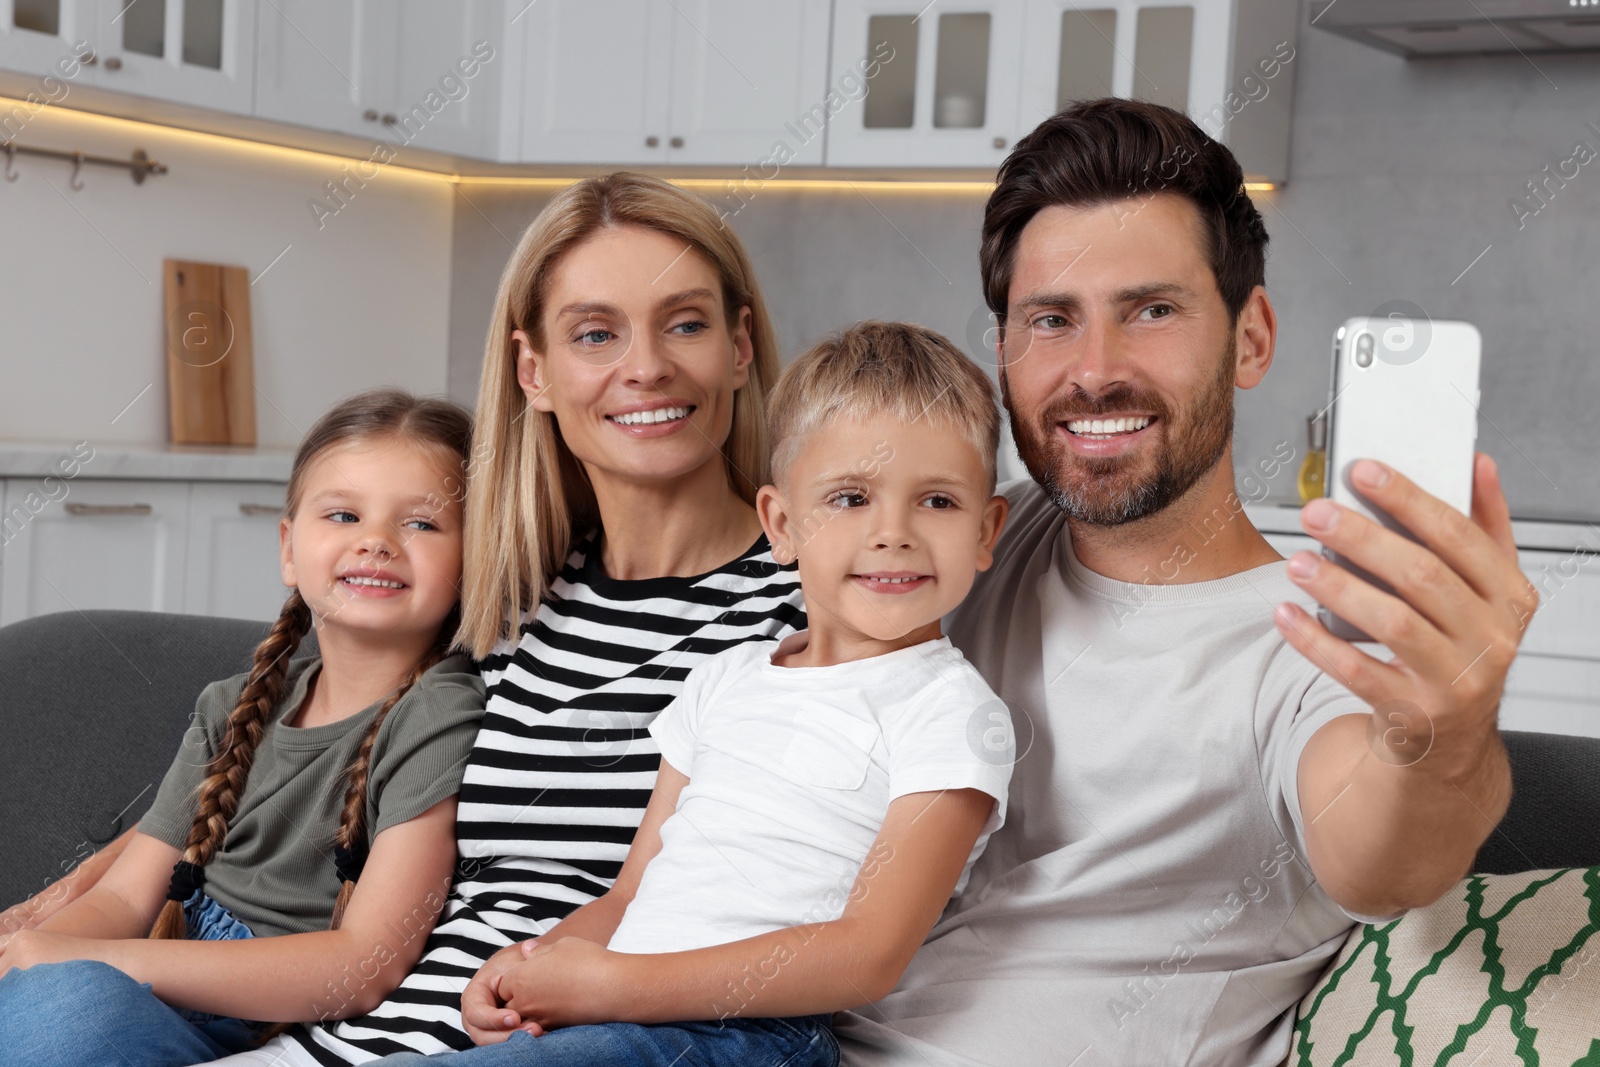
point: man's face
(1118, 363)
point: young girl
(308, 822)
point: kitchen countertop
(1535, 534)
(159, 462)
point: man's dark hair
(1101, 151)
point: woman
(611, 534)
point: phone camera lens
(1364, 346)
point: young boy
(819, 800)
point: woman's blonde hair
(528, 497)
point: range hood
(1419, 28)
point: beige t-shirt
(1147, 903)
(275, 871)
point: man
(1210, 788)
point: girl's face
(374, 545)
(639, 364)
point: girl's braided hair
(378, 414)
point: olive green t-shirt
(275, 871)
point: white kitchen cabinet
(747, 77)
(422, 72)
(943, 101)
(315, 64)
(448, 65)
(231, 555)
(597, 76)
(709, 82)
(944, 91)
(87, 543)
(199, 52)
(36, 34)
(1227, 63)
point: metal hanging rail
(138, 166)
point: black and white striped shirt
(562, 770)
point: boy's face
(890, 521)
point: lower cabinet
(231, 563)
(201, 548)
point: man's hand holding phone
(1433, 774)
(1461, 607)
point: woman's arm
(322, 975)
(483, 1005)
(899, 893)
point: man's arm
(1397, 804)
(63, 891)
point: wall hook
(11, 159)
(77, 165)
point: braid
(230, 767)
(350, 843)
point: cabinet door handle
(370, 115)
(109, 509)
(90, 59)
(389, 119)
(652, 141)
(676, 142)
(259, 509)
(113, 63)
(999, 142)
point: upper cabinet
(423, 72)
(758, 84)
(940, 82)
(596, 81)
(956, 84)
(199, 52)
(699, 82)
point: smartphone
(1405, 393)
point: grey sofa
(93, 704)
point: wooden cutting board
(210, 361)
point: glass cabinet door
(1172, 52)
(199, 52)
(40, 37)
(936, 83)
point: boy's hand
(565, 983)
(484, 1014)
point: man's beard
(1114, 490)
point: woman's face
(639, 364)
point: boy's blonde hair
(529, 497)
(876, 369)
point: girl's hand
(484, 1014)
(566, 983)
(25, 948)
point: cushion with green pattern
(1504, 970)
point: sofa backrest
(93, 705)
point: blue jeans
(800, 1042)
(85, 1013)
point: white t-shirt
(1148, 903)
(791, 771)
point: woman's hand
(566, 983)
(484, 1014)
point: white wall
(361, 302)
